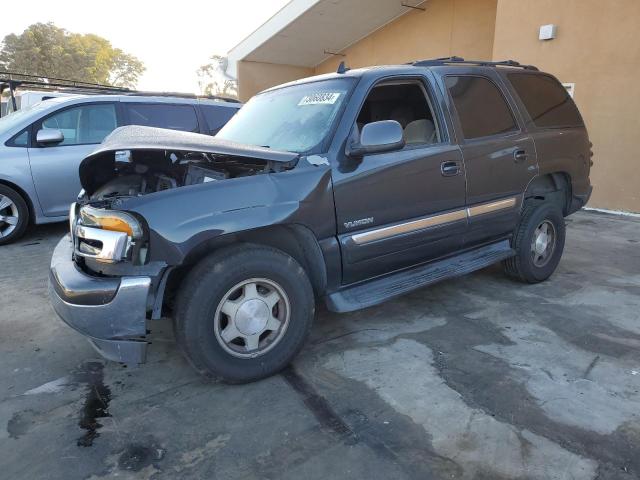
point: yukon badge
(358, 223)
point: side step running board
(380, 289)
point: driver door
(400, 208)
(54, 168)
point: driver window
(407, 104)
(87, 124)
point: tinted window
(85, 124)
(174, 117)
(481, 108)
(216, 117)
(546, 100)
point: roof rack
(459, 60)
(14, 80)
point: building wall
(598, 48)
(446, 27)
(254, 77)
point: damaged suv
(351, 188)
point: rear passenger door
(162, 115)
(499, 156)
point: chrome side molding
(433, 221)
(491, 207)
(381, 233)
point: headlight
(112, 220)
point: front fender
(182, 219)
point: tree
(49, 51)
(213, 78)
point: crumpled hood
(135, 137)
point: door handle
(520, 156)
(449, 169)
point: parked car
(351, 188)
(42, 146)
(28, 98)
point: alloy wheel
(252, 317)
(9, 216)
(543, 243)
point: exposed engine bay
(140, 172)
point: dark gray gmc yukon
(351, 188)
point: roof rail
(13, 80)
(142, 93)
(459, 60)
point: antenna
(342, 68)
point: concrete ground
(474, 378)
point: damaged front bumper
(109, 311)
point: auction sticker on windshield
(327, 98)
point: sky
(172, 39)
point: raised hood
(93, 169)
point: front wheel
(14, 215)
(243, 313)
(538, 242)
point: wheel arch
(555, 187)
(295, 240)
(25, 196)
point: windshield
(295, 119)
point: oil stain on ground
(96, 404)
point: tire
(222, 283)
(14, 215)
(530, 265)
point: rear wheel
(243, 313)
(538, 242)
(14, 215)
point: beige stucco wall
(446, 27)
(254, 77)
(598, 48)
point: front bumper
(110, 312)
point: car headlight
(112, 220)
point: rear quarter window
(546, 100)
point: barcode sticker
(328, 98)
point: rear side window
(546, 100)
(216, 116)
(174, 117)
(481, 107)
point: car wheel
(14, 215)
(538, 242)
(243, 313)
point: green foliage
(46, 50)
(213, 78)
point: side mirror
(49, 136)
(378, 137)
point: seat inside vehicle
(407, 104)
